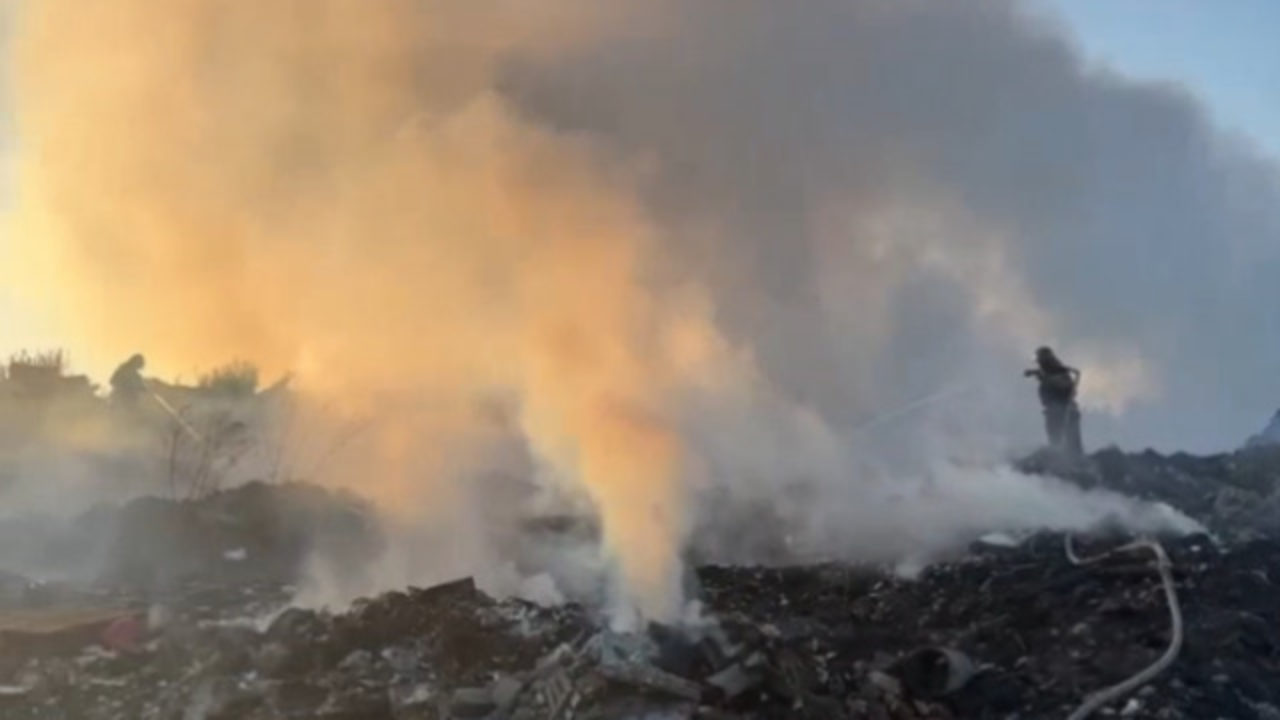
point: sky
(1224, 52)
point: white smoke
(792, 255)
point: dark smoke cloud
(1132, 221)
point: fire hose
(918, 404)
(1115, 692)
(177, 417)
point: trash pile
(1015, 630)
(1270, 435)
(1020, 627)
(255, 532)
(1236, 495)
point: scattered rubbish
(1016, 628)
(931, 673)
(472, 703)
(1015, 632)
(651, 678)
(734, 680)
(999, 540)
(124, 634)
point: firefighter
(127, 385)
(1058, 385)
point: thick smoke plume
(688, 245)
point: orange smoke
(330, 187)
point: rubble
(1017, 632)
(254, 533)
(1235, 495)
(1013, 629)
(1270, 435)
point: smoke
(292, 185)
(697, 246)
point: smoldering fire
(694, 258)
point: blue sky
(1225, 51)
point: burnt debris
(1014, 629)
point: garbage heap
(1236, 495)
(1013, 630)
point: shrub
(236, 378)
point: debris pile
(256, 532)
(1013, 629)
(1236, 495)
(1270, 435)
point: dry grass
(49, 361)
(236, 378)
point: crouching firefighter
(127, 384)
(1058, 384)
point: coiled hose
(1115, 692)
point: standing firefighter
(1058, 383)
